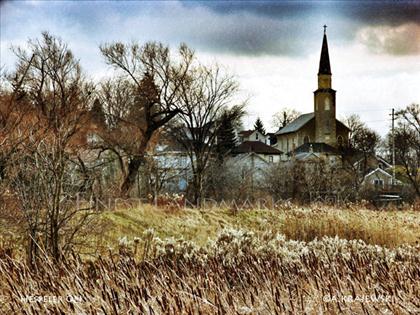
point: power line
(372, 121)
(364, 110)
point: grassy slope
(389, 228)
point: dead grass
(292, 260)
(238, 273)
(387, 228)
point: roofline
(378, 169)
(244, 155)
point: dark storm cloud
(235, 27)
(383, 27)
(266, 8)
(250, 36)
(385, 13)
(365, 12)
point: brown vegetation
(237, 274)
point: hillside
(389, 228)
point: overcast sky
(271, 47)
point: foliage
(259, 126)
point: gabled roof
(256, 147)
(296, 124)
(316, 147)
(246, 133)
(342, 124)
(380, 171)
(307, 156)
(244, 156)
(301, 121)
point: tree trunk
(130, 178)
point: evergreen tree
(226, 138)
(258, 126)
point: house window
(340, 140)
(256, 136)
(271, 159)
(378, 182)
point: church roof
(296, 124)
(301, 121)
(256, 147)
(324, 62)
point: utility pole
(393, 147)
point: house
(252, 135)
(259, 149)
(320, 126)
(252, 160)
(378, 178)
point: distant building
(256, 148)
(252, 135)
(378, 178)
(319, 128)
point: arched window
(340, 141)
(327, 104)
(306, 139)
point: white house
(252, 135)
(260, 149)
(378, 178)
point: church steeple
(324, 72)
(324, 62)
(324, 100)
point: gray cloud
(366, 12)
(349, 19)
(239, 28)
(400, 40)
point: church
(320, 131)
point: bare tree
(356, 127)
(407, 144)
(51, 81)
(363, 143)
(206, 96)
(284, 117)
(151, 96)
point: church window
(327, 104)
(306, 139)
(340, 140)
(256, 136)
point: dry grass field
(293, 260)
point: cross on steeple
(325, 29)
